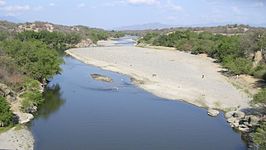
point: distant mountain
(11, 19)
(151, 26)
(154, 26)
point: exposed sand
(17, 139)
(169, 74)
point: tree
(227, 46)
(6, 116)
(34, 58)
(55, 40)
(237, 65)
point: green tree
(55, 40)
(262, 41)
(237, 65)
(227, 46)
(34, 58)
(6, 116)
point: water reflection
(53, 101)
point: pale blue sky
(116, 13)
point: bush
(10, 73)
(260, 71)
(184, 45)
(260, 97)
(32, 96)
(237, 65)
(31, 99)
(6, 116)
(203, 46)
(260, 136)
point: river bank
(19, 138)
(169, 74)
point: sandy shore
(169, 74)
(17, 139)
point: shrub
(260, 71)
(10, 73)
(260, 136)
(31, 99)
(6, 116)
(31, 85)
(237, 65)
(260, 97)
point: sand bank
(169, 74)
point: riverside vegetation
(237, 53)
(28, 58)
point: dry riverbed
(169, 74)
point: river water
(83, 114)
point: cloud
(38, 8)
(259, 4)
(146, 2)
(115, 3)
(81, 5)
(175, 7)
(13, 10)
(236, 10)
(172, 6)
(51, 4)
(171, 18)
(2, 2)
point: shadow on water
(53, 101)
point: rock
(235, 124)
(136, 81)
(232, 120)
(252, 120)
(235, 114)
(243, 128)
(84, 43)
(7, 92)
(239, 114)
(4, 90)
(10, 98)
(103, 78)
(24, 117)
(213, 113)
(229, 114)
(31, 109)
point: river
(81, 113)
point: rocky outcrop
(85, 43)
(137, 81)
(213, 113)
(258, 57)
(244, 123)
(36, 27)
(7, 92)
(103, 78)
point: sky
(110, 14)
